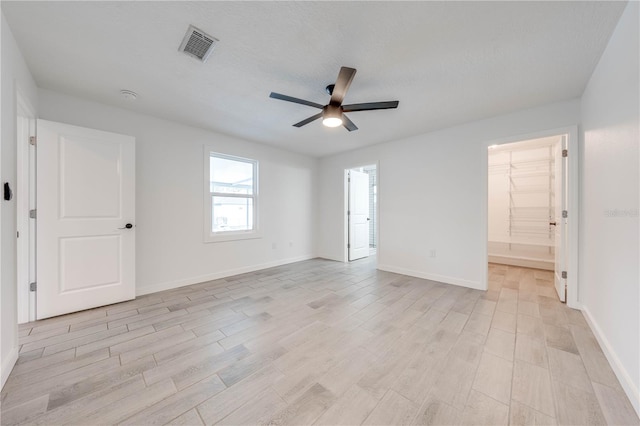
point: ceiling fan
(333, 113)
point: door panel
(359, 215)
(560, 201)
(86, 274)
(90, 184)
(85, 197)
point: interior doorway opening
(527, 209)
(361, 234)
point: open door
(560, 220)
(358, 213)
(85, 255)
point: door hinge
(33, 214)
(348, 212)
(564, 274)
(33, 286)
(565, 153)
(348, 246)
(565, 214)
(33, 140)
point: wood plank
(435, 412)
(532, 387)
(493, 377)
(576, 406)
(520, 414)
(616, 407)
(393, 409)
(176, 404)
(481, 409)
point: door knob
(127, 226)
(552, 223)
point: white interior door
(85, 200)
(358, 215)
(560, 198)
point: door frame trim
(25, 186)
(573, 186)
(345, 208)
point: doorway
(361, 184)
(531, 191)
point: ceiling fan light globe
(332, 121)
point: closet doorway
(527, 213)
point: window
(231, 192)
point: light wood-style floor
(320, 342)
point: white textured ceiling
(446, 62)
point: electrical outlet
(432, 253)
(274, 246)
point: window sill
(232, 236)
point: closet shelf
(544, 220)
(536, 160)
(524, 242)
(549, 209)
(532, 191)
(544, 173)
(530, 258)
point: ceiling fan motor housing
(332, 111)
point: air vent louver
(198, 44)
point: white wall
(609, 276)
(430, 195)
(15, 76)
(169, 196)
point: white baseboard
(434, 277)
(154, 288)
(7, 365)
(618, 368)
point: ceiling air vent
(197, 43)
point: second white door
(358, 213)
(560, 227)
(85, 252)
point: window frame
(214, 237)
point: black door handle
(552, 223)
(127, 226)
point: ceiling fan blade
(348, 124)
(294, 100)
(308, 120)
(370, 106)
(342, 85)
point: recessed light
(129, 95)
